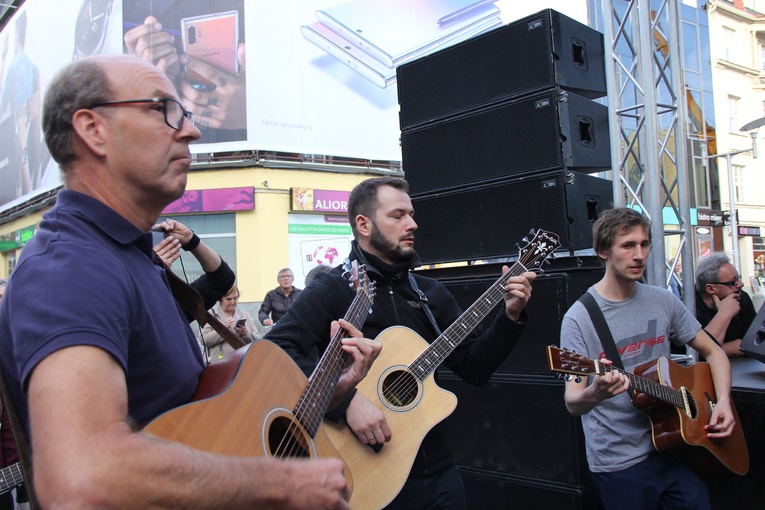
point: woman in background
(234, 318)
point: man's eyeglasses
(285, 276)
(731, 283)
(173, 110)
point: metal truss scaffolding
(647, 103)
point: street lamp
(751, 128)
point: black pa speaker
(486, 222)
(489, 490)
(553, 295)
(530, 54)
(518, 427)
(753, 342)
(547, 130)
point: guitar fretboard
(661, 392)
(314, 401)
(10, 477)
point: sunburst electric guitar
(679, 402)
(257, 402)
(401, 385)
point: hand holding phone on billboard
(151, 42)
(214, 65)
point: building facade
(737, 37)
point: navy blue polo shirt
(87, 278)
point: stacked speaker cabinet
(501, 134)
(481, 118)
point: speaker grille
(486, 222)
(548, 130)
(533, 53)
(553, 295)
(520, 428)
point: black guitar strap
(604, 332)
(424, 301)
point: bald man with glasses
(93, 345)
(723, 308)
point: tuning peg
(577, 379)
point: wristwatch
(90, 30)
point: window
(761, 48)
(739, 184)
(729, 44)
(733, 114)
(218, 231)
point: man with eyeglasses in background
(279, 299)
(723, 308)
(92, 343)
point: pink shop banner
(213, 200)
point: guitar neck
(10, 477)
(431, 358)
(314, 401)
(666, 394)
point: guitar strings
(314, 400)
(663, 392)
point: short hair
(283, 270)
(323, 268)
(79, 85)
(3, 281)
(363, 198)
(708, 268)
(616, 221)
(233, 289)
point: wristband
(191, 244)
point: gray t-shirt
(617, 435)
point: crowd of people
(111, 348)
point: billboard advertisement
(295, 76)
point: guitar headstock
(568, 362)
(536, 251)
(359, 281)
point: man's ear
(710, 289)
(363, 225)
(603, 254)
(91, 130)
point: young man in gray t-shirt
(627, 470)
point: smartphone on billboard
(350, 55)
(366, 65)
(213, 39)
(397, 31)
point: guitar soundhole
(690, 404)
(400, 388)
(286, 439)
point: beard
(387, 249)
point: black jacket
(304, 333)
(739, 324)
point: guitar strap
(22, 445)
(424, 301)
(604, 332)
(190, 300)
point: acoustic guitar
(257, 402)
(678, 401)
(401, 385)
